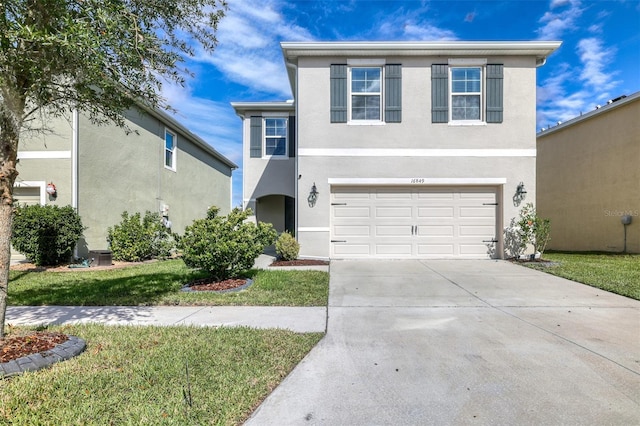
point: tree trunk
(9, 136)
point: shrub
(225, 246)
(287, 248)
(46, 235)
(138, 238)
(533, 229)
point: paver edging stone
(74, 346)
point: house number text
(417, 180)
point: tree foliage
(100, 57)
(225, 246)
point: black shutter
(393, 94)
(494, 93)
(338, 93)
(255, 137)
(439, 93)
(292, 136)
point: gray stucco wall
(508, 148)
(120, 171)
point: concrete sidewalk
(298, 319)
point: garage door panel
(473, 212)
(435, 230)
(352, 212)
(352, 231)
(436, 250)
(403, 222)
(471, 231)
(393, 231)
(393, 212)
(394, 249)
(440, 212)
(348, 250)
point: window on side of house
(170, 140)
(275, 136)
(366, 93)
(466, 93)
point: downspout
(75, 139)
(296, 174)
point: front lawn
(156, 375)
(159, 283)
(617, 273)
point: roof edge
(598, 110)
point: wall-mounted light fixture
(52, 190)
(313, 195)
(520, 195)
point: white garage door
(406, 222)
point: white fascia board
(417, 181)
(242, 108)
(539, 49)
(384, 152)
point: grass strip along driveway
(617, 273)
(157, 375)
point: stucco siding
(122, 171)
(589, 177)
(416, 147)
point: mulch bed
(18, 346)
(210, 284)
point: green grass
(159, 283)
(616, 273)
(137, 375)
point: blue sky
(598, 60)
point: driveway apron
(464, 342)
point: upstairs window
(170, 150)
(466, 93)
(366, 93)
(275, 137)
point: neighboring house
(589, 179)
(396, 149)
(157, 165)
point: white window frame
(380, 93)
(266, 117)
(173, 151)
(468, 63)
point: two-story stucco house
(396, 149)
(156, 164)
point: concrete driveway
(464, 342)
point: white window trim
(174, 157)
(34, 184)
(284, 156)
(473, 63)
(373, 63)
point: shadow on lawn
(86, 290)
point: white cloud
(595, 59)
(557, 22)
(408, 24)
(248, 52)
